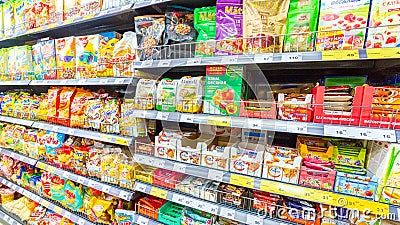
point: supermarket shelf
(203, 205)
(285, 189)
(14, 82)
(16, 121)
(107, 188)
(142, 220)
(70, 215)
(344, 131)
(9, 218)
(18, 156)
(85, 82)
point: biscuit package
(124, 55)
(264, 25)
(166, 95)
(110, 116)
(145, 93)
(189, 94)
(150, 30)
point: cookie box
(145, 92)
(347, 155)
(218, 153)
(166, 95)
(282, 164)
(233, 195)
(167, 179)
(323, 179)
(295, 107)
(144, 148)
(347, 112)
(144, 173)
(315, 147)
(247, 158)
(149, 206)
(197, 217)
(189, 184)
(257, 109)
(165, 144)
(381, 107)
(190, 148)
(211, 191)
(357, 185)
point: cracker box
(65, 58)
(384, 29)
(38, 13)
(247, 158)
(56, 11)
(87, 49)
(20, 16)
(145, 94)
(8, 19)
(357, 185)
(223, 89)
(166, 144)
(48, 50)
(324, 179)
(189, 149)
(71, 9)
(218, 153)
(315, 147)
(342, 24)
(37, 59)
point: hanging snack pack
(205, 24)
(106, 48)
(150, 30)
(78, 107)
(342, 24)
(110, 116)
(189, 94)
(124, 54)
(301, 25)
(229, 30)
(166, 95)
(384, 23)
(264, 24)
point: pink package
(229, 26)
(317, 178)
(166, 178)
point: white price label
(262, 58)
(119, 81)
(181, 168)
(162, 115)
(178, 198)
(193, 61)
(71, 131)
(67, 214)
(80, 180)
(297, 127)
(124, 195)
(147, 63)
(81, 221)
(200, 205)
(187, 118)
(227, 213)
(140, 187)
(385, 135)
(12, 155)
(158, 163)
(6, 218)
(66, 174)
(254, 124)
(335, 131)
(142, 220)
(229, 59)
(83, 81)
(292, 57)
(216, 175)
(254, 220)
(62, 82)
(91, 183)
(188, 201)
(140, 113)
(106, 189)
(164, 63)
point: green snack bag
(301, 25)
(205, 24)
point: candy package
(110, 160)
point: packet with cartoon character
(110, 116)
(65, 58)
(87, 49)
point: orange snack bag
(66, 97)
(43, 107)
(78, 107)
(53, 103)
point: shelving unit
(8, 218)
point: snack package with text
(124, 55)
(106, 49)
(89, 7)
(78, 107)
(67, 95)
(56, 11)
(110, 116)
(8, 18)
(87, 49)
(65, 57)
(48, 62)
(205, 24)
(71, 9)
(20, 16)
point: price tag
(83, 81)
(254, 220)
(181, 168)
(140, 187)
(188, 201)
(162, 115)
(227, 213)
(263, 58)
(106, 189)
(187, 118)
(242, 180)
(292, 57)
(193, 61)
(58, 210)
(88, 16)
(216, 175)
(142, 220)
(340, 55)
(147, 63)
(383, 53)
(120, 81)
(164, 63)
(335, 131)
(81, 221)
(158, 163)
(41, 165)
(140, 113)
(157, 192)
(45, 203)
(385, 135)
(297, 127)
(67, 214)
(91, 183)
(12, 155)
(80, 180)
(6, 218)
(71, 131)
(121, 141)
(223, 121)
(229, 60)
(66, 174)
(68, 21)
(51, 169)
(178, 198)
(199, 205)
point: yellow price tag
(58, 210)
(242, 180)
(105, 137)
(68, 21)
(157, 192)
(45, 203)
(362, 205)
(383, 53)
(340, 55)
(51, 26)
(38, 29)
(121, 141)
(41, 165)
(88, 16)
(51, 169)
(223, 121)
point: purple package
(229, 26)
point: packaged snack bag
(8, 19)
(384, 30)
(145, 93)
(48, 63)
(43, 107)
(73, 196)
(71, 9)
(110, 161)
(342, 25)
(1, 22)
(166, 95)
(90, 7)
(93, 113)
(37, 59)
(17, 138)
(205, 24)
(67, 95)
(189, 94)
(110, 116)
(87, 49)
(126, 179)
(22, 105)
(78, 107)
(80, 158)
(57, 188)
(3, 63)
(101, 210)
(53, 101)
(23, 63)
(11, 64)
(124, 55)
(38, 13)
(65, 58)
(30, 143)
(150, 30)
(20, 9)
(94, 160)
(263, 21)
(301, 25)
(34, 107)
(127, 122)
(40, 142)
(106, 49)
(45, 182)
(56, 11)
(229, 18)
(7, 105)
(53, 141)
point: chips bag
(78, 107)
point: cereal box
(23, 63)
(71, 9)
(381, 34)
(342, 24)
(87, 49)
(301, 25)
(90, 7)
(37, 59)
(37, 13)
(48, 63)
(106, 48)
(229, 18)
(8, 18)
(264, 20)
(20, 16)
(65, 58)
(56, 11)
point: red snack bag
(64, 110)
